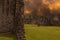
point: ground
(33, 32)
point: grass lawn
(7, 37)
(42, 33)
(37, 33)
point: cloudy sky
(30, 5)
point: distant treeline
(46, 20)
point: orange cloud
(26, 11)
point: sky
(31, 5)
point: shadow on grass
(7, 37)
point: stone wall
(11, 18)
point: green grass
(33, 32)
(7, 37)
(42, 33)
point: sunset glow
(27, 11)
(51, 4)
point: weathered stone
(11, 21)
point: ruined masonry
(11, 21)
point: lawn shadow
(7, 37)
